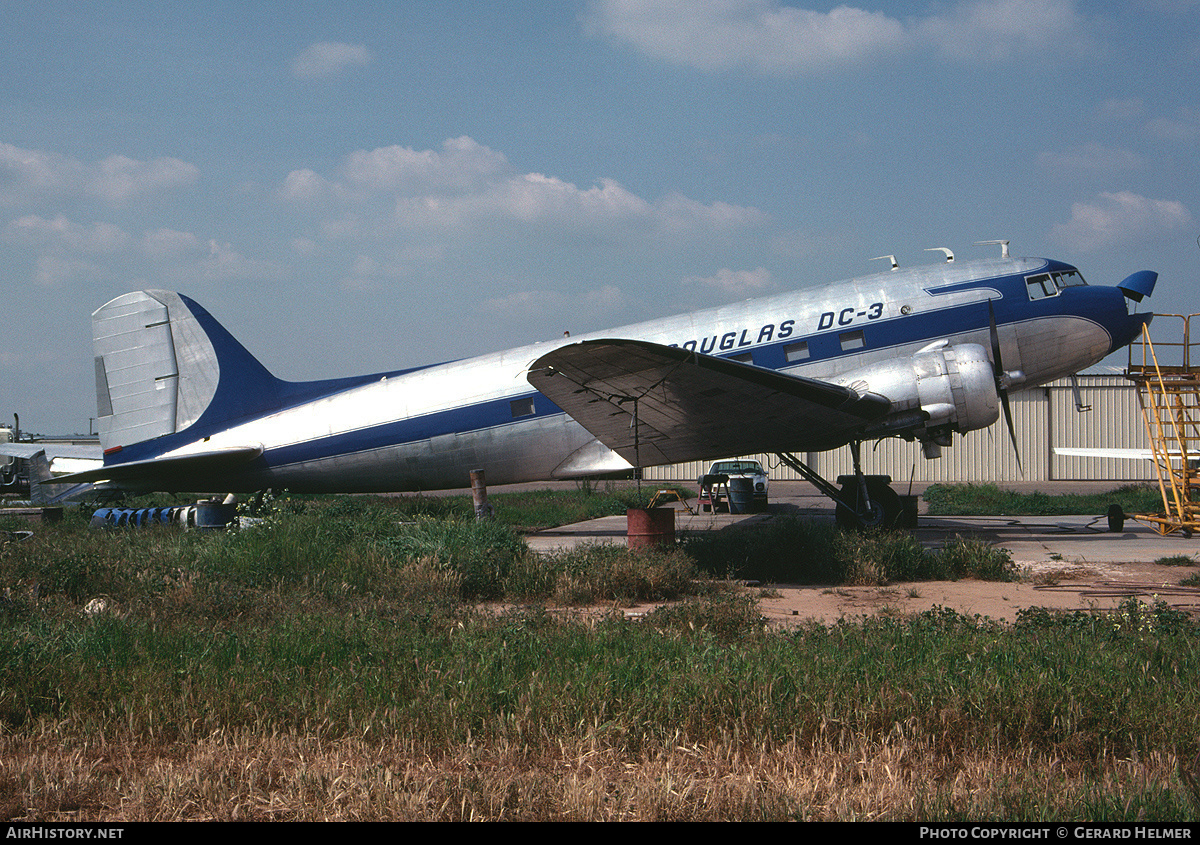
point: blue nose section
(1127, 328)
(1139, 285)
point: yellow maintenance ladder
(1169, 394)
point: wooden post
(483, 510)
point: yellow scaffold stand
(1170, 398)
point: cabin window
(522, 407)
(852, 340)
(743, 358)
(795, 352)
(1041, 286)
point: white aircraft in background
(918, 353)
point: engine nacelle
(932, 393)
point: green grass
(990, 500)
(349, 623)
(796, 551)
(1077, 686)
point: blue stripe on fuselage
(468, 419)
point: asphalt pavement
(1082, 538)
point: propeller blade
(994, 333)
(1001, 390)
(1012, 431)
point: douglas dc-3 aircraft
(917, 353)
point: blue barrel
(101, 518)
(210, 515)
(133, 517)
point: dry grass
(291, 778)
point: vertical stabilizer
(159, 358)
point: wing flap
(655, 404)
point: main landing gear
(863, 501)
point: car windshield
(735, 467)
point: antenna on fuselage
(1003, 246)
(890, 258)
(949, 254)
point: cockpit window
(1049, 284)
(1041, 286)
(1069, 279)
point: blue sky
(362, 186)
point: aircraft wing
(1119, 454)
(81, 451)
(690, 406)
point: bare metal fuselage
(426, 429)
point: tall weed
(804, 552)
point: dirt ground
(1068, 563)
(1056, 586)
(1061, 586)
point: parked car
(714, 485)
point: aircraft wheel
(884, 512)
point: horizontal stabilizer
(169, 473)
(42, 488)
(655, 404)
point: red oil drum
(648, 527)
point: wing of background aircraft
(66, 451)
(655, 404)
(51, 461)
(1118, 454)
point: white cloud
(771, 38)
(1116, 218)
(606, 299)
(526, 303)
(303, 186)
(461, 165)
(996, 29)
(329, 58)
(1122, 109)
(118, 179)
(1092, 157)
(1181, 129)
(224, 263)
(761, 34)
(55, 270)
(33, 175)
(466, 184)
(94, 238)
(164, 244)
(747, 282)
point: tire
(885, 507)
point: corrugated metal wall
(1043, 417)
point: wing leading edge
(655, 404)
